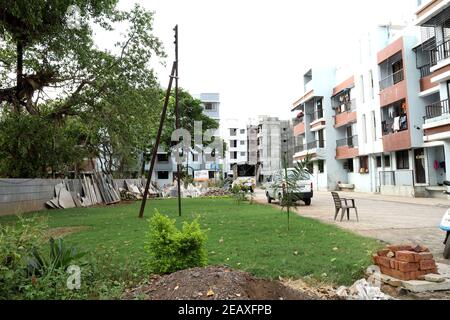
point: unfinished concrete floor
(387, 218)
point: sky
(254, 52)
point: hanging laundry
(403, 123)
(396, 124)
(391, 112)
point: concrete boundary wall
(28, 195)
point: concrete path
(387, 218)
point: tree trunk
(19, 74)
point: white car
(303, 193)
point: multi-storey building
(433, 60)
(165, 166)
(236, 139)
(314, 128)
(364, 127)
(275, 142)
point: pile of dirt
(215, 283)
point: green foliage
(16, 243)
(31, 147)
(112, 96)
(60, 258)
(289, 185)
(170, 249)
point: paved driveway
(391, 219)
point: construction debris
(90, 190)
(405, 262)
(362, 290)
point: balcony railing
(441, 52)
(351, 142)
(316, 115)
(395, 125)
(318, 144)
(342, 107)
(437, 109)
(391, 80)
(425, 71)
(299, 149)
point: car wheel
(307, 201)
(269, 199)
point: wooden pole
(158, 139)
(177, 115)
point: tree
(288, 183)
(60, 75)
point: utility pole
(158, 139)
(177, 115)
(173, 75)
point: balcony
(347, 148)
(392, 80)
(437, 110)
(345, 114)
(299, 128)
(318, 144)
(440, 53)
(314, 148)
(425, 71)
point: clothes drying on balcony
(396, 124)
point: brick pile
(405, 262)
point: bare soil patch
(56, 233)
(215, 283)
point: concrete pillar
(447, 161)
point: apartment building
(236, 139)
(314, 132)
(433, 61)
(364, 127)
(165, 166)
(275, 142)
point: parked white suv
(303, 193)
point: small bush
(170, 249)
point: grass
(249, 237)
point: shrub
(170, 249)
(16, 243)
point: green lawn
(255, 238)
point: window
(195, 157)
(163, 157)
(209, 106)
(243, 154)
(364, 122)
(321, 164)
(233, 143)
(242, 143)
(379, 164)
(364, 164)
(163, 175)
(242, 131)
(349, 165)
(211, 174)
(372, 88)
(402, 158)
(363, 96)
(394, 118)
(233, 132)
(231, 167)
(233, 155)
(387, 161)
(374, 126)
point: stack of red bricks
(405, 262)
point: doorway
(419, 165)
